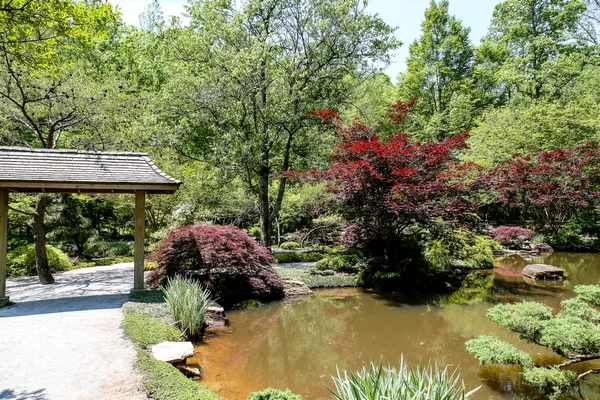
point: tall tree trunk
(265, 217)
(41, 257)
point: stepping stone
(543, 271)
(173, 352)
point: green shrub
(290, 245)
(309, 256)
(461, 247)
(380, 382)
(567, 238)
(274, 394)
(552, 381)
(188, 303)
(340, 263)
(21, 261)
(106, 249)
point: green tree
(529, 126)
(151, 19)
(590, 25)
(532, 48)
(573, 333)
(254, 71)
(438, 70)
(42, 89)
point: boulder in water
(543, 271)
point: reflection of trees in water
(299, 345)
(305, 342)
(476, 287)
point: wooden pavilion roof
(75, 171)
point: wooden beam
(138, 249)
(3, 244)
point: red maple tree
(548, 187)
(390, 188)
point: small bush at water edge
(274, 394)
(290, 245)
(21, 261)
(222, 258)
(381, 382)
(188, 303)
(340, 263)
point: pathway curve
(64, 341)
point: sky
(406, 15)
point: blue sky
(407, 15)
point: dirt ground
(64, 341)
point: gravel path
(64, 341)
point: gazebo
(26, 170)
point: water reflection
(298, 345)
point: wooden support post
(138, 249)
(3, 244)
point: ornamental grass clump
(188, 303)
(379, 382)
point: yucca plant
(379, 382)
(188, 302)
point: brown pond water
(298, 345)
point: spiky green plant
(188, 302)
(380, 382)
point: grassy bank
(317, 280)
(146, 323)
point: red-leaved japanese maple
(223, 258)
(389, 188)
(549, 187)
(513, 237)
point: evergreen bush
(274, 394)
(573, 333)
(21, 261)
(290, 245)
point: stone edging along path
(64, 341)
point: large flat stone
(292, 288)
(173, 352)
(543, 271)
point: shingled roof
(74, 171)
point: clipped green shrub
(574, 333)
(290, 245)
(309, 256)
(379, 382)
(21, 261)
(341, 263)
(274, 394)
(188, 303)
(106, 249)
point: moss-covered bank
(147, 323)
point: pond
(297, 345)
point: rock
(543, 271)
(173, 351)
(190, 370)
(543, 247)
(292, 288)
(215, 316)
